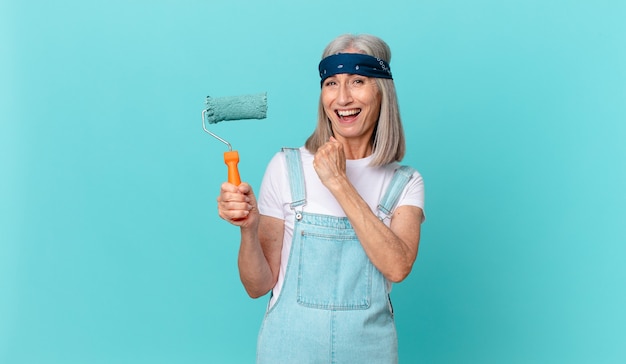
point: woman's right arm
(261, 238)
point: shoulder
(413, 194)
(303, 152)
(287, 158)
(410, 172)
(278, 165)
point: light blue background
(111, 250)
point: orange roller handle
(231, 158)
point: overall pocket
(334, 272)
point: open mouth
(348, 114)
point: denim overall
(334, 305)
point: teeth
(348, 112)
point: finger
(229, 210)
(228, 187)
(231, 192)
(233, 201)
(234, 215)
(228, 197)
(244, 188)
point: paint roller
(233, 108)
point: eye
(329, 83)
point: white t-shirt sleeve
(273, 186)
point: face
(352, 103)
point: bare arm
(393, 249)
(261, 238)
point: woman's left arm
(393, 249)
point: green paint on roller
(233, 108)
(236, 107)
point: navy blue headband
(354, 63)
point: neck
(356, 150)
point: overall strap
(296, 177)
(400, 178)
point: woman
(337, 221)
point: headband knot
(354, 63)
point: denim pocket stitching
(309, 294)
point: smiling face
(352, 103)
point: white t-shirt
(371, 183)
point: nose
(345, 95)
